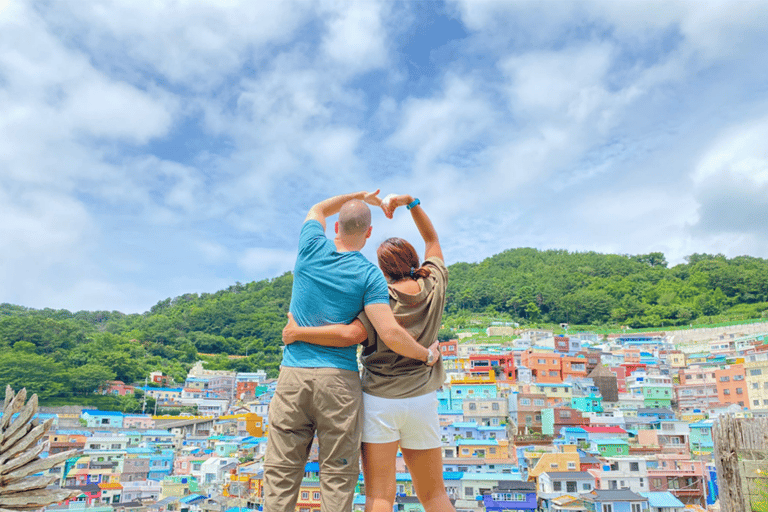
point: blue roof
(476, 442)
(192, 498)
(610, 441)
(661, 499)
(96, 412)
(452, 475)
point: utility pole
(144, 405)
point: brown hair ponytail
(398, 260)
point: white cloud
(432, 128)
(197, 43)
(731, 182)
(356, 39)
(266, 262)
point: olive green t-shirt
(389, 375)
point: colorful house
(511, 495)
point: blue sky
(151, 149)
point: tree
(88, 378)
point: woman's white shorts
(412, 421)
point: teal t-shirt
(329, 287)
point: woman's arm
(420, 218)
(333, 335)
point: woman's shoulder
(436, 264)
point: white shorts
(412, 421)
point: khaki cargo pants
(308, 400)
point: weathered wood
(32, 437)
(41, 464)
(12, 408)
(8, 397)
(738, 441)
(21, 484)
(37, 497)
(20, 423)
(20, 449)
(21, 460)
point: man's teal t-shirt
(329, 287)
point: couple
(340, 299)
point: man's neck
(345, 246)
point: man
(318, 388)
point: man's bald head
(354, 218)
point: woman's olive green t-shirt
(389, 375)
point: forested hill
(63, 356)
(595, 289)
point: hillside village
(530, 421)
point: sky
(150, 149)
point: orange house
(544, 366)
(731, 386)
(575, 367)
(449, 348)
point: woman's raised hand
(392, 201)
(289, 331)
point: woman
(399, 394)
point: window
(538, 401)
(570, 487)
(586, 487)
(636, 507)
(305, 495)
(525, 401)
(315, 495)
(765, 385)
(558, 486)
(571, 466)
(469, 491)
(472, 406)
(634, 466)
(495, 406)
(755, 385)
(738, 377)
(607, 507)
(724, 378)
(726, 391)
(739, 391)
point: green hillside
(64, 356)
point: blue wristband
(415, 202)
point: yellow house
(309, 496)
(482, 449)
(555, 392)
(677, 360)
(567, 460)
(253, 423)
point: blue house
(623, 500)
(511, 495)
(663, 501)
(160, 464)
(107, 419)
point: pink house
(117, 387)
(143, 421)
